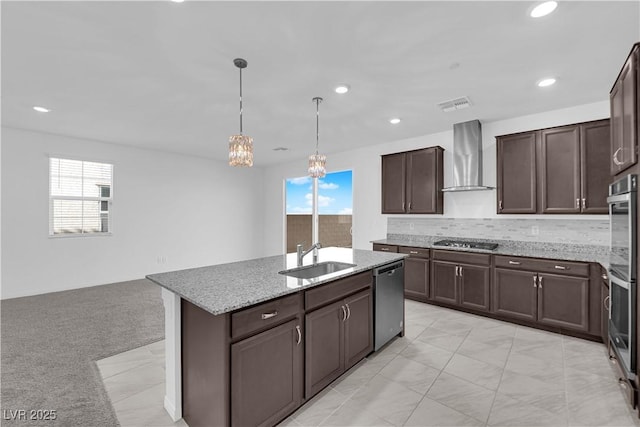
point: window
(80, 195)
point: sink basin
(316, 270)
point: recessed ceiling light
(394, 121)
(543, 9)
(41, 109)
(546, 82)
(177, 1)
(343, 88)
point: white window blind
(80, 195)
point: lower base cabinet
(416, 278)
(338, 336)
(267, 375)
(461, 279)
(557, 300)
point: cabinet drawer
(333, 291)
(462, 257)
(419, 252)
(543, 265)
(261, 316)
(384, 248)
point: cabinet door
(563, 301)
(443, 282)
(358, 328)
(595, 150)
(605, 311)
(424, 181)
(623, 118)
(393, 183)
(475, 286)
(514, 293)
(560, 170)
(266, 376)
(324, 361)
(517, 173)
(416, 278)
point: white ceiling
(160, 74)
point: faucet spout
(302, 253)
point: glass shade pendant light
(317, 162)
(240, 146)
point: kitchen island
(247, 345)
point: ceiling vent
(455, 104)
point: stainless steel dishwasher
(388, 288)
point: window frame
(52, 198)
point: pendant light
(317, 162)
(240, 146)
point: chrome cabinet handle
(384, 249)
(457, 271)
(514, 262)
(535, 281)
(577, 203)
(560, 267)
(607, 305)
(299, 335)
(584, 203)
(460, 267)
(615, 157)
(622, 383)
(344, 313)
(500, 205)
(402, 205)
(413, 252)
(409, 206)
(605, 277)
(540, 282)
(269, 315)
(348, 312)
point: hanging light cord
(240, 101)
(317, 122)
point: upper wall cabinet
(412, 182)
(561, 170)
(625, 104)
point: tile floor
(450, 369)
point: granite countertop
(226, 287)
(559, 251)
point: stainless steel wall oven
(622, 271)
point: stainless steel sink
(316, 270)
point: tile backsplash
(568, 231)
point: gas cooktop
(485, 246)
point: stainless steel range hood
(467, 157)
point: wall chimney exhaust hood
(467, 157)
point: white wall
(368, 223)
(192, 211)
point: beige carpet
(49, 344)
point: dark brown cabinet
(561, 170)
(625, 105)
(337, 337)
(267, 375)
(516, 180)
(416, 273)
(412, 182)
(533, 289)
(384, 248)
(460, 279)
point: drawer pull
(560, 267)
(266, 316)
(413, 252)
(606, 303)
(299, 335)
(344, 313)
(348, 312)
(514, 263)
(540, 282)
(535, 281)
(384, 249)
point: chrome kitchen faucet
(302, 253)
